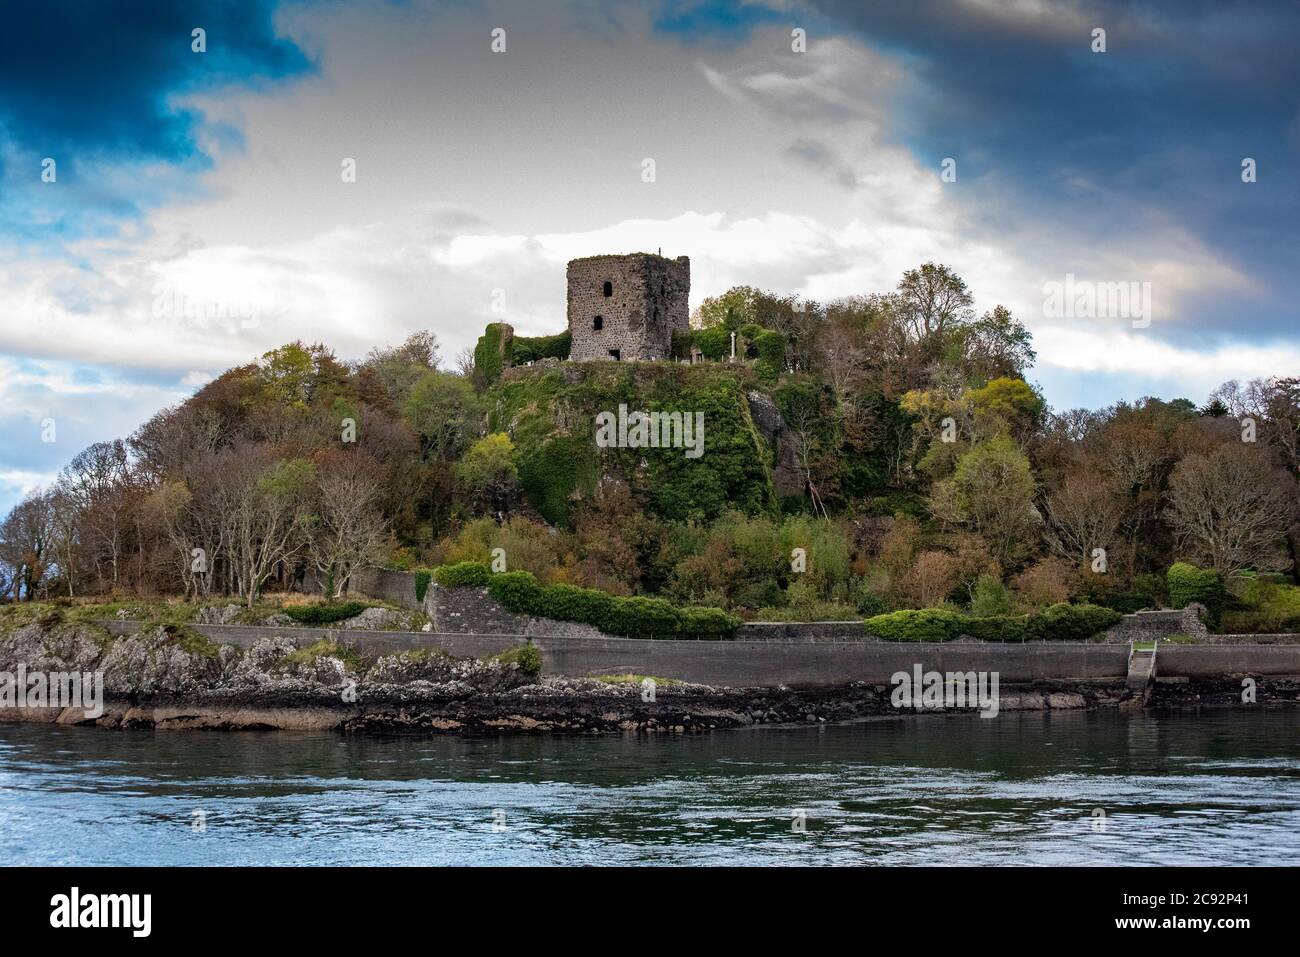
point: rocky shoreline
(165, 678)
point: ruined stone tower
(627, 307)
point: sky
(197, 214)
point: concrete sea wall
(467, 622)
(794, 663)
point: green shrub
(527, 657)
(422, 579)
(1262, 606)
(550, 472)
(1127, 602)
(571, 603)
(326, 612)
(1065, 622)
(519, 592)
(714, 343)
(706, 622)
(871, 604)
(462, 575)
(642, 617)
(917, 624)
(764, 593)
(1188, 584)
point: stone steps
(1140, 678)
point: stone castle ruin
(627, 307)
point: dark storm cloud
(1154, 129)
(92, 82)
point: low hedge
(917, 624)
(1000, 628)
(638, 616)
(1062, 622)
(325, 613)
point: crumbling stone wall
(647, 301)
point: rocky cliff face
(787, 478)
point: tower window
(608, 289)
(598, 323)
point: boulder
(377, 619)
(218, 614)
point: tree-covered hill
(873, 453)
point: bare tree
(171, 507)
(351, 531)
(1082, 514)
(1230, 509)
(259, 508)
(269, 521)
